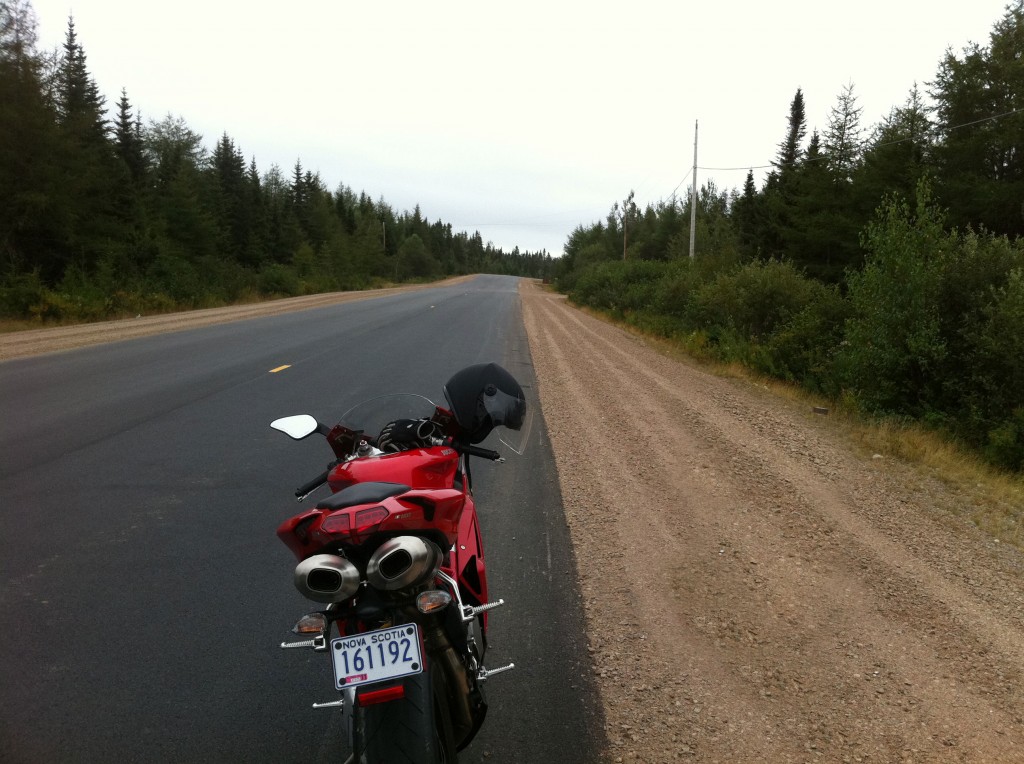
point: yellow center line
(281, 368)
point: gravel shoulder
(755, 589)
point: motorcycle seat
(361, 493)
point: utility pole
(693, 196)
(625, 216)
(623, 234)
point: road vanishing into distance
(143, 591)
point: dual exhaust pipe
(398, 563)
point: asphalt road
(143, 591)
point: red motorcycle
(395, 555)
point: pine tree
(90, 198)
(128, 139)
(746, 215)
(897, 156)
(79, 104)
(227, 167)
(980, 116)
(843, 139)
(778, 197)
(790, 151)
(30, 169)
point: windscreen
(370, 416)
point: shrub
(674, 293)
(993, 406)
(20, 293)
(803, 348)
(620, 286)
(753, 300)
(894, 350)
(278, 279)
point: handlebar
(306, 489)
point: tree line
(103, 215)
(883, 267)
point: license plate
(376, 656)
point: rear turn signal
(432, 601)
(311, 623)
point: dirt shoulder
(37, 341)
(757, 591)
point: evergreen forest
(882, 266)
(103, 215)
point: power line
(928, 133)
(933, 131)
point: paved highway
(143, 592)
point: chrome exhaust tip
(403, 561)
(326, 578)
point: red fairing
(419, 468)
(466, 561)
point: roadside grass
(992, 499)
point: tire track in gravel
(769, 571)
(819, 495)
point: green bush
(675, 290)
(894, 350)
(278, 279)
(993, 375)
(803, 348)
(176, 277)
(753, 300)
(620, 286)
(1005, 445)
(20, 293)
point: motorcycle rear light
(336, 522)
(368, 519)
(372, 697)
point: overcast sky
(521, 120)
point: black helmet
(483, 397)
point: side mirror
(296, 427)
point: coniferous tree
(746, 214)
(80, 106)
(843, 139)
(231, 203)
(790, 149)
(128, 139)
(779, 191)
(828, 243)
(89, 199)
(30, 169)
(980, 115)
(897, 156)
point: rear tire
(414, 730)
